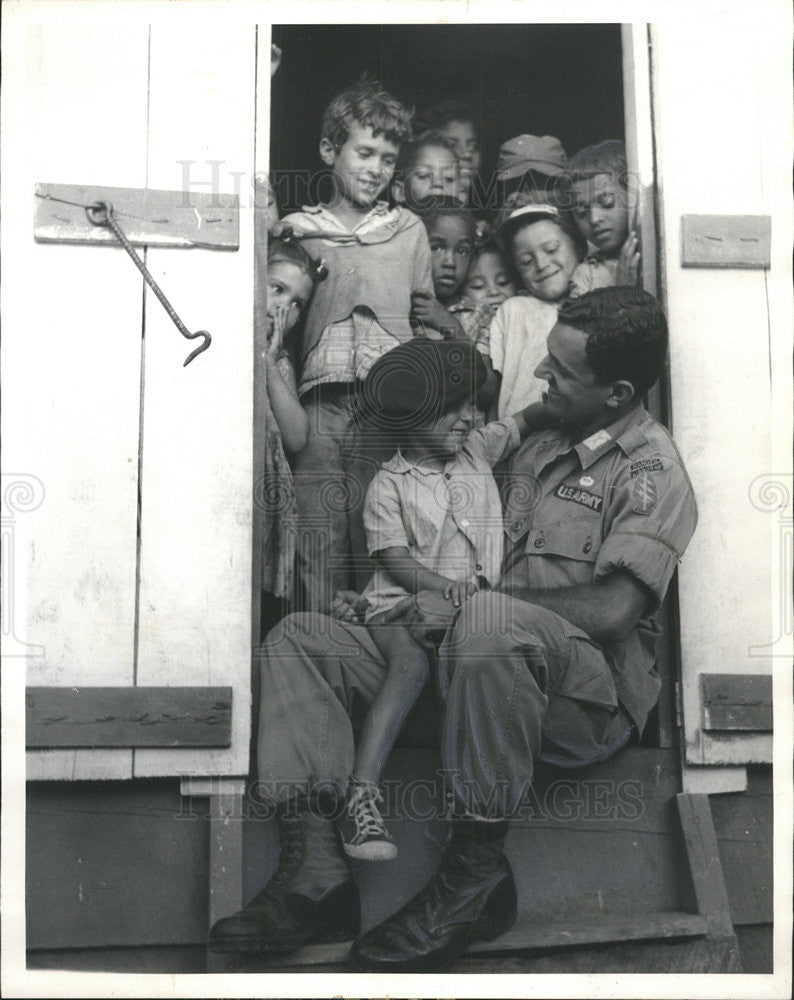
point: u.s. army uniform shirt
(620, 500)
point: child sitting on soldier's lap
(427, 168)
(546, 248)
(433, 519)
(456, 121)
(601, 211)
(377, 258)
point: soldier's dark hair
(626, 334)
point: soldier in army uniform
(558, 663)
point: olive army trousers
(518, 681)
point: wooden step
(526, 936)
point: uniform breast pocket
(578, 539)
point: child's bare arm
(275, 59)
(534, 417)
(293, 424)
(493, 409)
(427, 310)
(413, 576)
(628, 270)
(488, 392)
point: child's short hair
(626, 333)
(490, 245)
(433, 208)
(437, 116)
(529, 214)
(286, 249)
(608, 157)
(367, 103)
(409, 153)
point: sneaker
(366, 836)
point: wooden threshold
(526, 936)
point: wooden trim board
(148, 218)
(526, 936)
(128, 717)
(737, 702)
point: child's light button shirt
(450, 520)
(518, 345)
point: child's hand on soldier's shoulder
(628, 269)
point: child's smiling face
(601, 212)
(545, 258)
(362, 167)
(435, 173)
(287, 286)
(445, 438)
(489, 281)
(451, 249)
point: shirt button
(539, 543)
(516, 525)
(478, 567)
(447, 475)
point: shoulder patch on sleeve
(645, 493)
(654, 464)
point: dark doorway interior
(562, 80)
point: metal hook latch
(100, 213)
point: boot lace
(289, 856)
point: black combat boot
(310, 898)
(471, 896)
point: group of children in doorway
(404, 328)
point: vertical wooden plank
(72, 338)
(195, 563)
(639, 144)
(261, 165)
(641, 161)
(226, 860)
(721, 325)
(705, 867)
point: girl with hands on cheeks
(291, 278)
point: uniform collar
(626, 434)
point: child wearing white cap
(546, 248)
